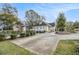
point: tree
(33, 18)
(8, 15)
(76, 24)
(61, 22)
(70, 27)
(8, 9)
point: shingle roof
(52, 24)
(40, 24)
(44, 23)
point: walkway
(69, 36)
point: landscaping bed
(67, 47)
(8, 48)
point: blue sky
(49, 11)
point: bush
(31, 32)
(18, 35)
(40, 31)
(27, 33)
(9, 34)
(77, 49)
(2, 37)
(22, 34)
(13, 36)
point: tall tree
(61, 22)
(33, 18)
(8, 15)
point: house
(22, 28)
(76, 26)
(16, 28)
(52, 27)
(77, 29)
(43, 27)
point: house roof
(52, 24)
(44, 23)
(40, 24)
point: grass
(66, 47)
(8, 48)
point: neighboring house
(43, 27)
(24, 28)
(77, 29)
(20, 28)
(16, 28)
(52, 27)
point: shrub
(9, 34)
(27, 33)
(22, 34)
(77, 49)
(2, 37)
(18, 35)
(13, 36)
(40, 31)
(31, 32)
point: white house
(20, 28)
(16, 28)
(43, 27)
(52, 27)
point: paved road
(40, 43)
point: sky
(49, 10)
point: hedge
(13, 34)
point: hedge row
(5, 35)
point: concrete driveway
(40, 44)
(43, 43)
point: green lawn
(66, 47)
(8, 48)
